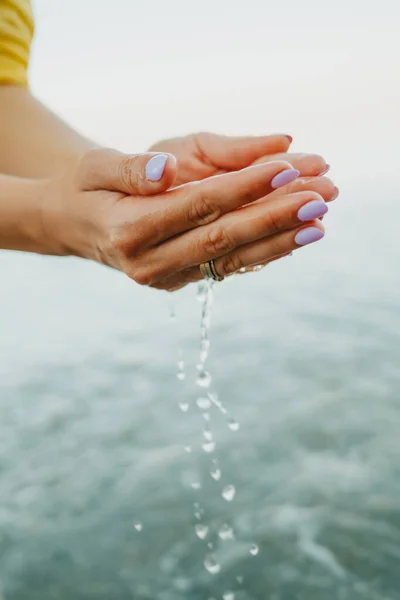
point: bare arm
(34, 142)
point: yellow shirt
(16, 33)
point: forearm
(21, 219)
(33, 141)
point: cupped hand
(121, 211)
(202, 155)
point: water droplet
(207, 434)
(187, 449)
(181, 365)
(184, 406)
(138, 526)
(254, 550)
(203, 403)
(228, 596)
(211, 565)
(233, 425)
(203, 379)
(258, 268)
(197, 514)
(217, 402)
(210, 545)
(206, 416)
(240, 579)
(226, 533)
(209, 446)
(196, 485)
(201, 531)
(242, 270)
(216, 474)
(196, 505)
(228, 493)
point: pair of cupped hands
(242, 202)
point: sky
(130, 73)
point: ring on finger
(209, 271)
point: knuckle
(229, 264)
(140, 274)
(274, 221)
(202, 210)
(130, 173)
(216, 241)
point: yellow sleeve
(16, 33)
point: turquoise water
(304, 354)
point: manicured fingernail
(155, 167)
(325, 171)
(335, 194)
(312, 210)
(289, 137)
(284, 178)
(308, 236)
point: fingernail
(308, 236)
(312, 210)
(325, 171)
(335, 194)
(289, 137)
(284, 178)
(155, 167)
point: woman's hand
(202, 155)
(120, 211)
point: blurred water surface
(304, 354)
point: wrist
(21, 217)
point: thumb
(132, 174)
(235, 153)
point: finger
(258, 252)
(131, 174)
(234, 153)
(269, 248)
(322, 185)
(196, 204)
(251, 223)
(311, 165)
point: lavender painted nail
(155, 167)
(284, 178)
(308, 236)
(312, 210)
(325, 171)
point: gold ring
(209, 271)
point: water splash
(228, 596)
